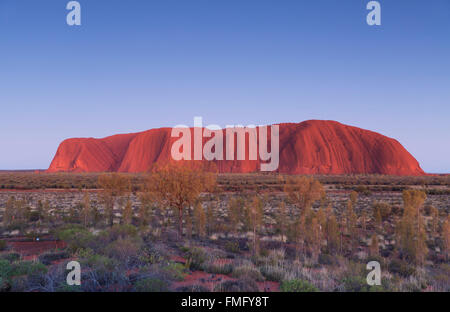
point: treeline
(432, 185)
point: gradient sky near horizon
(134, 65)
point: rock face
(309, 147)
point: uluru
(309, 147)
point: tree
(434, 219)
(374, 246)
(200, 220)
(127, 214)
(20, 210)
(235, 208)
(315, 238)
(86, 210)
(378, 219)
(321, 218)
(96, 215)
(178, 187)
(40, 210)
(46, 213)
(282, 220)
(113, 185)
(363, 220)
(412, 228)
(210, 219)
(8, 215)
(332, 231)
(354, 197)
(446, 237)
(303, 192)
(189, 225)
(146, 208)
(351, 219)
(255, 215)
(384, 209)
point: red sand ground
(209, 281)
(30, 250)
(310, 147)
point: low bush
(354, 283)
(297, 285)
(151, 285)
(28, 272)
(76, 237)
(67, 288)
(217, 268)
(2, 245)
(232, 247)
(241, 285)
(247, 271)
(50, 257)
(96, 261)
(11, 257)
(27, 268)
(176, 271)
(4, 285)
(5, 270)
(195, 258)
(273, 273)
(118, 231)
(326, 259)
(192, 288)
(124, 250)
(401, 268)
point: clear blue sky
(134, 65)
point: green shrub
(5, 270)
(401, 268)
(11, 257)
(355, 284)
(2, 245)
(195, 258)
(27, 268)
(151, 285)
(97, 261)
(76, 236)
(19, 271)
(49, 257)
(176, 271)
(232, 247)
(297, 285)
